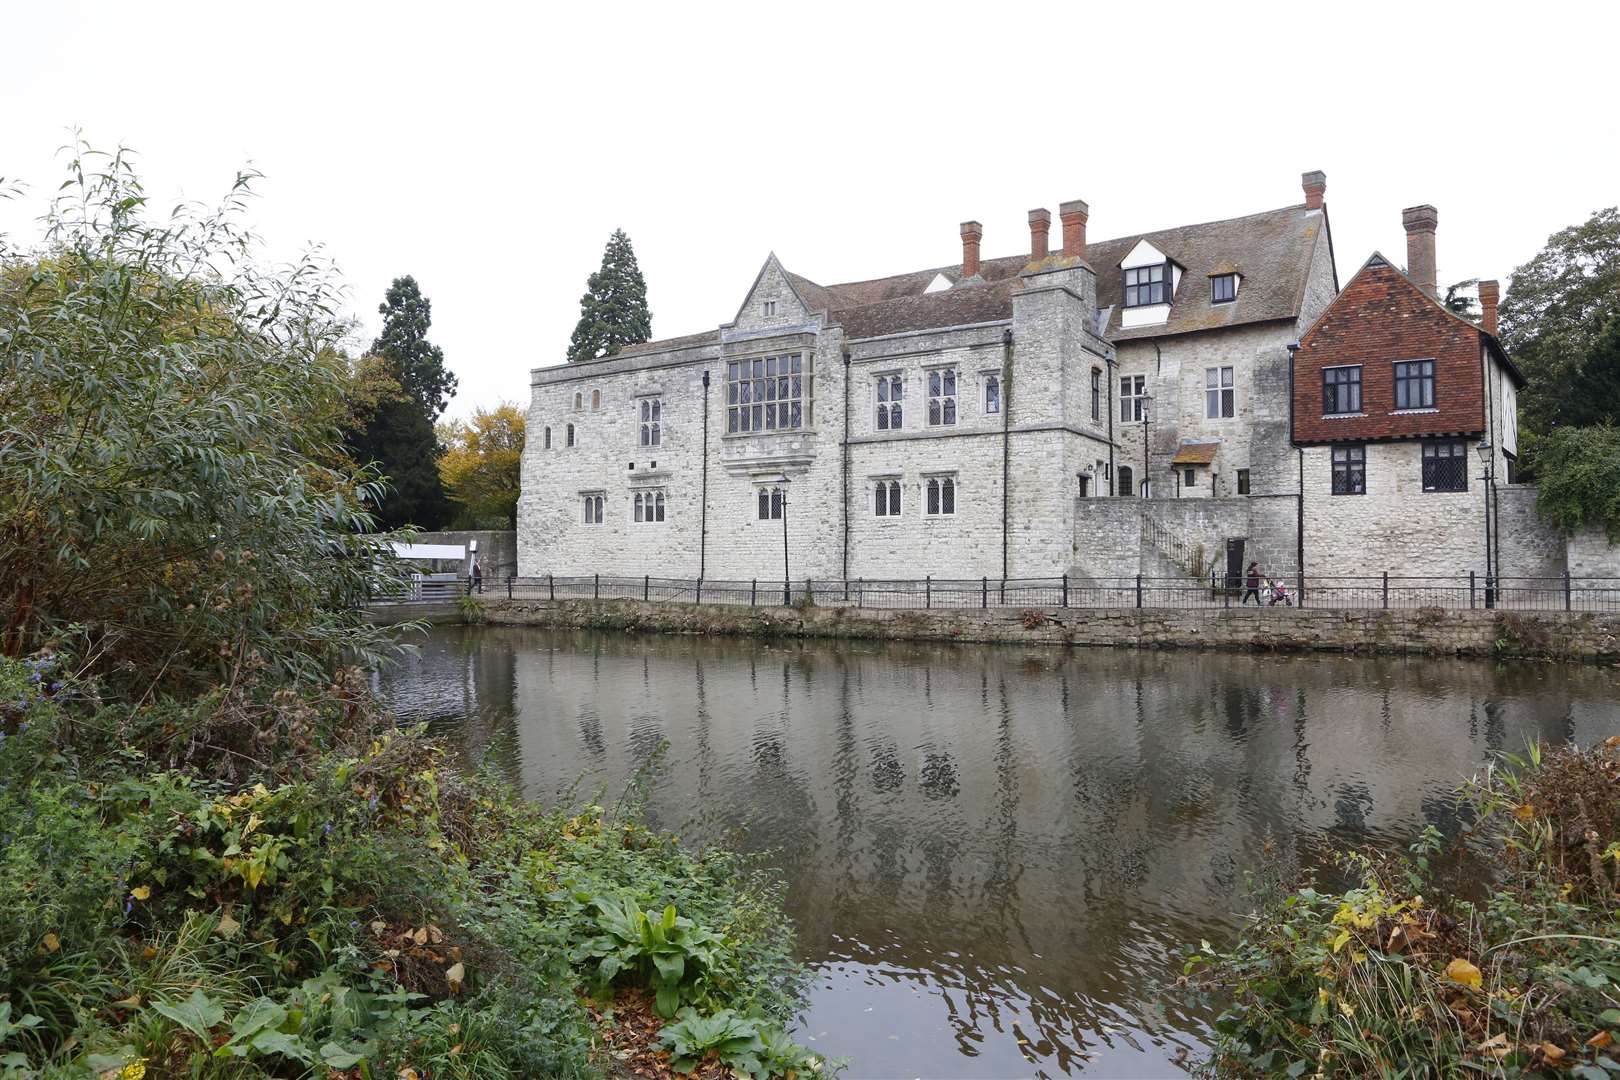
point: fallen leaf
(454, 976)
(420, 936)
(1461, 971)
(1496, 1045)
(141, 892)
(51, 942)
(228, 926)
(1600, 1040)
(1552, 1053)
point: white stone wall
(1396, 526)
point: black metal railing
(1363, 592)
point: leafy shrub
(1413, 973)
(746, 1044)
(673, 953)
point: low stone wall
(1423, 630)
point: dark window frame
(1126, 477)
(1444, 462)
(1096, 395)
(1148, 290)
(766, 394)
(1331, 390)
(1243, 481)
(1415, 376)
(939, 498)
(1349, 463)
(887, 500)
(1218, 295)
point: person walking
(1251, 585)
(477, 577)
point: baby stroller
(1277, 593)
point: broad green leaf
(197, 1014)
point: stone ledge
(1547, 635)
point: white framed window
(1132, 397)
(770, 308)
(594, 503)
(768, 393)
(992, 395)
(891, 389)
(941, 397)
(1220, 400)
(647, 507)
(886, 498)
(939, 496)
(770, 504)
(652, 421)
(1146, 285)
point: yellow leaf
(455, 975)
(131, 1002)
(1497, 1046)
(1552, 1053)
(1600, 1040)
(1461, 971)
(1339, 942)
(1523, 811)
(228, 926)
(141, 892)
(51, 942)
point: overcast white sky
(490, 150)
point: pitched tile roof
(1274, 249)
(1195, 453)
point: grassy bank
(1498, 959)
(276, 884)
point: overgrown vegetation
(1501, 959)
(218, 857)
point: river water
(992, 852)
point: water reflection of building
(1016, 821)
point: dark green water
(992, 851)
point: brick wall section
(1382, 317)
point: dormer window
(1223, 288)
(770, 308)
(1147, 285)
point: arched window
(886, 498)
(770, 503)
(579, 400)
(658, 505)
(890, 390)
(548, 438)
(636, 501)
(1125, 489)
(570, 434)
(941, 495)
(992, 394)
(596, 400)
(593, 509)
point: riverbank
(1434, 631)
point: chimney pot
(1489, 294)
(1074, 214)
(1040, 226)
(972, 233)
(1315, 185)
(1420, 223)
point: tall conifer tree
(613, 312)
(398, 434)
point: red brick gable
(1382, 317)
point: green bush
(1503, 958)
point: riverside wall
(1553, 635)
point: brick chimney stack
(1073, 214)
(1040, 225)
(1420, 222)
(1489, 293)
(1315, 185)
(972, 233)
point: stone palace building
(1095, 408)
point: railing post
(928, 591)
(1226, 594)
(509, 579)
(1470, 589)
(1568, 599)
(787, 592)
(697, 592)
(1065, 591)
(551, 585)
(596, 586)
(1386, 588)
(1138, 590)
(753, 592)
(646, 587)
(984, 592)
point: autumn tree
(613, 312)
(482, 466)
